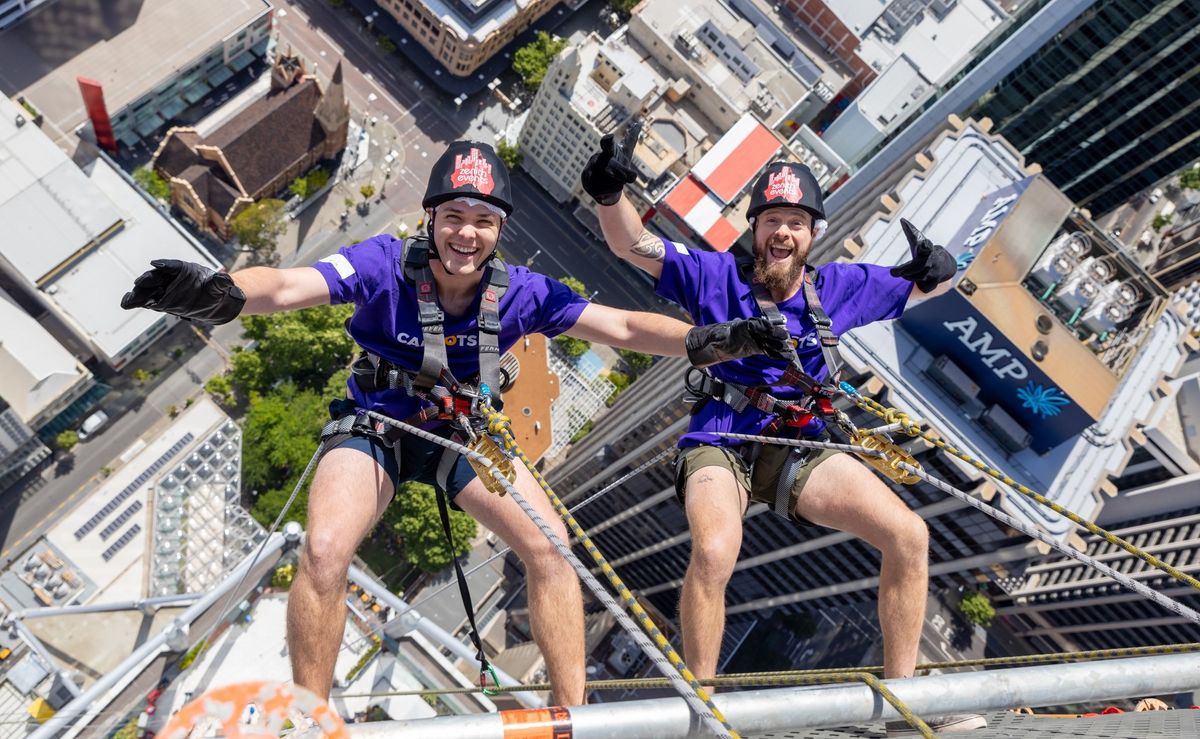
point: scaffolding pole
(411, 620)
(781, 709)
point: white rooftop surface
(258, 651)
(858, 15)
(52, 209)
(481, 28)
(965, 170)
(668, 18)
(35, 370)
(122, 577)
(937, 47)
(901, 85)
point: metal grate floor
(1183, 724)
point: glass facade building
(1111, 105)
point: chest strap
(417, 254)
(701, 386)
(816, 314)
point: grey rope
(1170, 604)
(601, 594)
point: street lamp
(529, 261)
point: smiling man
(717, 477)
(421, 308)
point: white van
(92, 424)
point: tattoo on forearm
(649, 246)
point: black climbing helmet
(469, 169)
(787, 184)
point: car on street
(92, 424)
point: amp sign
(952, 326)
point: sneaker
(940, 725)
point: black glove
(608, 172)
(930, 266)
(187, 290)
(719, 342)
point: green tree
(152, 183)
(67, 440)
(533, 59)
(221, 388)
(280, 433)
(623, 8)
(977, 608)
(366, 191)
(571, 346)
(510, 154)
(259, 226)
(303, 347)
(348, 202)
(141, 376)
(414, 516)
(1190, 179)
(1160, 220)
(305, 186)
(283, 576)
(386, 45)
(636, 361)
(576, 286)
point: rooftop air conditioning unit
(1005, 429)
(950, 378)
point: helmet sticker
(783, 184)
(473, 169)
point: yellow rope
(498, 426)
(892, 415)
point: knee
(542, 559)
(325, 559)
(713, 559)
(908, 538)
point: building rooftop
(937, 44)
(475, 20)
(35, 370)
(968, 166)
(129, 48)
(94, 230)
(724, 51)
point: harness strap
(820, 319)
(496, 284)
(796, 459)
(429, 313)
(463, 591)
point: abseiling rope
(681, 678)
(910, 427)
(1170, 604)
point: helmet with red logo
(788, 184)
(469, 169)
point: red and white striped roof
(719, 177)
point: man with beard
(717, 477)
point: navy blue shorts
(419, 461)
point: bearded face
(782, 237)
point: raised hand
(187, 290)
(610, 169)
(930, 265)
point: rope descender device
(893, 455)
(486, 445)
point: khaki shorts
(760, 476)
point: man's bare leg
(842, 493)
(714, 502)
(349, 492)
(555, 601)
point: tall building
(957, 386)
(910, 46)
(76, 237)
(138, 64)
(257, 153)
(1111, 105)
(462, 35)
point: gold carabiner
(894, 454)
(484, 444)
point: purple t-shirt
(709, 286)
(371, 275)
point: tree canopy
(152, 183)
(1190, 179)
(414, 516)
(510, 154)
(304, 347)
(533, 59)
(279, 434)
(260, 225)
(305, 186)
